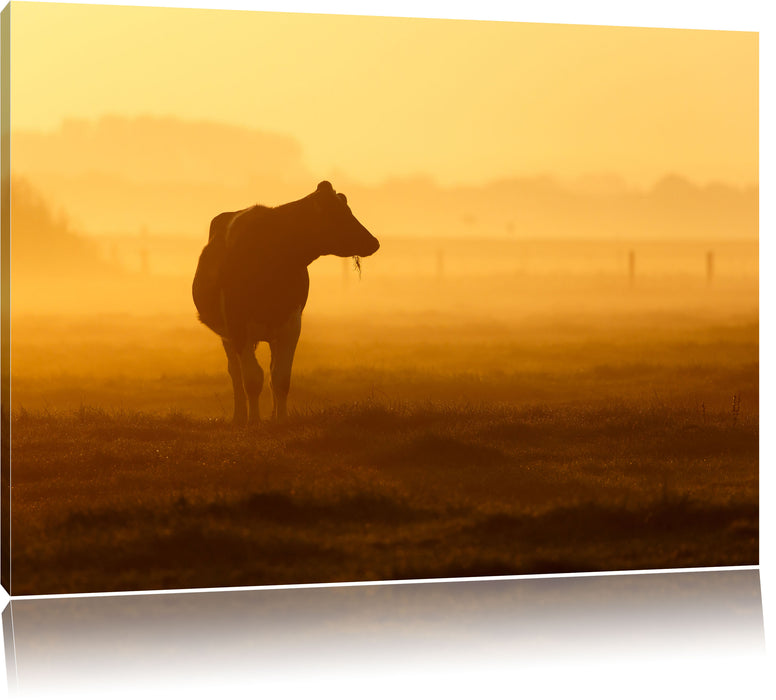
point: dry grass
(450, 451)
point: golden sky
(460, 101)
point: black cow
(251, 284)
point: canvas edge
(5, 300)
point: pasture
(421, 443)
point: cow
(251, 285)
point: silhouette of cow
(251, 284)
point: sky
(379, 98)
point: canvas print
(296, 298)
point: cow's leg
(282, 348)
(253, 380)
(235, 372)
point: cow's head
(341, 233)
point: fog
(102, 265)
(58, 268)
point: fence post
(145, 265)
(440, 263)
(709, 267)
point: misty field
(417, 447)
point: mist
(169, 176)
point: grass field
(417, 447)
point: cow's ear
(325, 186)
(342, 197)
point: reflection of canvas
(550, 364)
(492, 633)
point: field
(421, 444)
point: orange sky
(464, 102)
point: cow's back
(263, 280)
(241, 276)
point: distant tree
(44, 243)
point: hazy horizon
(591, 181)
(169, 176)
